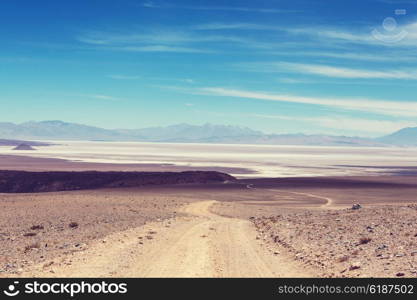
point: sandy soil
(318, 228)
(35, 228)
(202, 244)
(225, 230)
(370, 242)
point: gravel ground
(35, 228)
(369, 242)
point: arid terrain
(36, 182)
(288, 227)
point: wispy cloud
(123, 77)
(162, 36)
(402, 35)
(156, 40)
(159, 48)
(231, 26)
(374, 35)
(101, 97)
(384, 107)
(398, 1)
(329, 71)
(397, 56)
(340, 72)
(328, 37)
(153, 4)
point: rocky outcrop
(34, 182)
(24, 147)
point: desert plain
(255, 225)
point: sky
(280, 66)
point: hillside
(16, 143)
(33, 182)
(403, 137)
(180, 133)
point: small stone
(354, 266)
(382, 247)
(73, 225)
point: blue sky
(280, 66)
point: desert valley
(129, 209)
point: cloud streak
(375, 35)
(339, 72)
(123, 77)
(151, 4)
(402, 36)
(384, 107)
(161, 40)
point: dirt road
(202, 244)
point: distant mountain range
(403, 137)
(18, 143)
(185, 133)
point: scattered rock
(24, 147)
(73, 225)
(364, 240)
(29, 234)
(343, 258)
(370, 229)
(37, 227)
(382, 247)
(48, 264)
(31, 247)
(354, 266)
